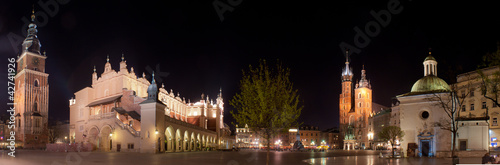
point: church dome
(430, 83)
(430, 58)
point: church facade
(31, 96)
(356, 106)
(117, 113)
(420, 111)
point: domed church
(419, 113)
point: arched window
(36, 83)
(35, 107)
(359, 95)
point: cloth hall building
(123, 112)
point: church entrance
(425, 148)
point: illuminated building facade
(355, 106)
(419, 111)
(31, 93)
(119, 112)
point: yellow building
(475, 111)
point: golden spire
(33, 14)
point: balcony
(103, 116)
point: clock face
(35, 61)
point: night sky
(201, 53)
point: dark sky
(202, 53)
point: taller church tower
(346, 100)
(31, 92)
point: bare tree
(53, 133)
(451, 101)
(489, 73)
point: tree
(450, 102)
(267, 101)
(391, 134)
(490, 82)
(53, 133)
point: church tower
(363, 108)
(346, 102)
(31, 92)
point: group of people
(487, 159)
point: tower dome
(430, 82)
(31, 43)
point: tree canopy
(267, 101)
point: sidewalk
(375, 160)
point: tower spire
(31, 43)
(347, 56)
(33, 13)
(107, 58)
(123, 58)
(153, 81)
(347, 71)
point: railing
(102, 116)
(129, 128)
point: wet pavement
(250, 157)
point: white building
(418, 114)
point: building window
(483, 105)
(463, 108)
(130, 146)
(424, 115)
(35, 106)
(494, 123)
(471, 107)
(472, 93)
(359, 104)
(359, 95)
(36, 84)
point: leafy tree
(391, 134)
(267, 101)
